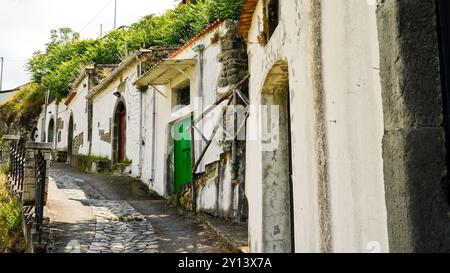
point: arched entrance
(70, 137)
(119, 136)
(278, 222)
(51, 131)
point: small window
(273, 16)
(182, 95)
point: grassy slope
(10, 220)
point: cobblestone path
(91, 213)
(119, 227)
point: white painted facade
(334, 95)
(104, 106)
(63, 110)
(353, 128)
(212, 194)
(78, 109)
(55, 111)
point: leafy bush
(66, 54)
(223, 9)
(10, 219)
(56, 68)
(24, 106)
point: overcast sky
(25, 25)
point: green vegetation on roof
(57, 67)
(66, 54)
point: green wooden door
(182, 150)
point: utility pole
(44, 124)
(101, 31)
(1, 74)
(115, 14)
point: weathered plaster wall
(163, 110)
(61, 121)
(336, 127)
(354, 125)
(50, 108)
(290, 42)
(78, 109)
(103, 109)
(224, 65)
(103, 118)
(63, 117)
(215, 191)
(414, 142)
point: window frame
(177, 103)
(268, 5)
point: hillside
(57, 67)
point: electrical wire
(96, 16)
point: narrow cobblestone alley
(91, 213)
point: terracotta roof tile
(70, 98)
(207, 30)
(246, 18)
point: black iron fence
(41, 170)
(26, 165)
(16, 172)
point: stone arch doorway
(119, 136)
(70, 137)
(51, 131)
(275, 122)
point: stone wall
(90, 164)
(78, 142)
(158, 53)
(234, 57)
(414, 139)
(31, 151)
(105, 137)
(60, 124)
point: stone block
(415, 196)
(410, 64)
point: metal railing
(27, 178)
(41, 169)
(17, 167)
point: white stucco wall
(353, 107)
(164, 119)
(61, 111)
(354, 102)
(166, 116)
(211, 74)
(51, 108)
(104, 104)
(78, 109)
(63, 115)
(103, 109)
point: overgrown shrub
(24, 107)
(10, 220)
(57, 67)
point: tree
(62, 36)
(66, 54)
